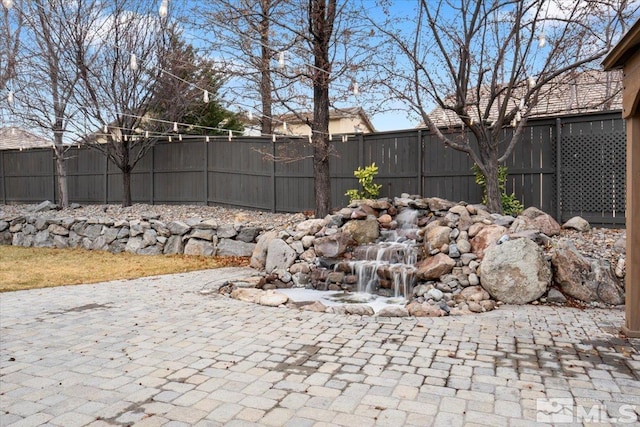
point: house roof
(334, 114)
(588, 91)
(14, 138)
(624, 49)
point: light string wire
(246, 107)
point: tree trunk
(126, 187)
(61, 169)
(321, 17)
(265, 76)
(489, 168)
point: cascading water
(388, 267)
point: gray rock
(273, 298)
(3, 225)
(393, 311)
(352, 309)
(173, 245)
(150, 250)
(229, 247)
(453, 251)
(178, 227)
(515, 272)
(57, 230)
(436, 294)
(362, 231)
(248, 234)
(42, 240)
(332, 246)
(311, 226)
(556, 296)
(134, 244)
(259, 255)
(226, 231)
(160, 228)
(202, 234)
(45, 206)
(535, 219)
(279, 256)
(110, 234)
(436, 237)
(200, 247)
(149, 237)
(100, 244)
(577, 223)
(91, 231)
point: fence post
(152, 175)
(420, 163)
(53, 176)
(4, 178)
(360, 151)
(106, 179)
(559, 169)
(206, 172)
(273, 175)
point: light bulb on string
(164, 9)
(281, 60)
(356, 90)
(518, 117)
(133, 62)
(205, 97)
(175, 126)
(531, 82)
(10, 98)
(542, 40)
(250, 116)
(8, 4)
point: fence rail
(567, 166)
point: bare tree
(118, 74)
(300, 57)
(242, 41)
(489, 63)
(9, 44)
(48, 75)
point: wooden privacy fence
(566, 166)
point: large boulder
(229, 247)
(280, 256)
(437, 236)
(485, 238)
(515, 272)
(362, 231)
(583, 278)
(535, 219)
(433, 267)
(332, 246)
(259, 255)
(199, 247)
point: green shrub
(510, 203)
(365, 176)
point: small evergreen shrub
(370, 190)
(510, 203)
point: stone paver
(159, 352)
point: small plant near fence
(370, 190)
(510, 203)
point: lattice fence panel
(593, 175)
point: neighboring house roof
(14, 138)
(584, 92)
(350, 113)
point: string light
(531, 81)
(205, 97)
(518, 117)
(542, 40)
(281, 60)
(10, 98)
(206, 138)
(250, 116)
(356, 92)
(175, 126)
(133, 62)
(8, 4)
(164, 9)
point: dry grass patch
(30, 268)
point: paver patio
(156, 351)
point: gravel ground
(598, 243)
